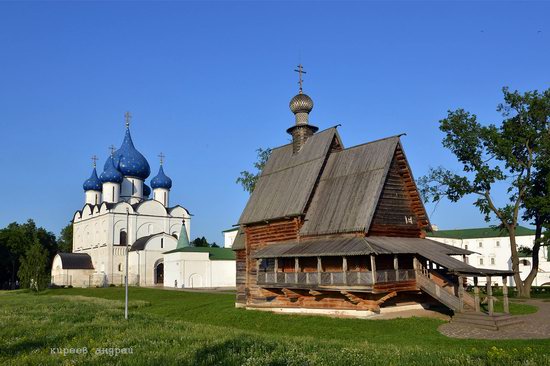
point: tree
(34, 272)
(514, 154)
(15, 239)
(247, 179)
(65, 241)
(200, 242)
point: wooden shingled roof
(288, 179)
(349, 188)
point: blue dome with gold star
(161, 180)
(110, 173)
(129, 161)
(93, 183)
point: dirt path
(535, 325)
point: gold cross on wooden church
(300, 71)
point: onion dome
(161, 180)
(110, 173)
(129, 161)
(301, 103)
(146, 190)
(93, 183)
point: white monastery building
(119, 214)
(491, 247)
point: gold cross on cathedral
(300, 71)
(112, 148)
(94, 160)
(161, 156)
(127, 118)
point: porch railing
(335, 278)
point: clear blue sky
(208, 83)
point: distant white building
(229, 236)
(492, 250)
(118, 213)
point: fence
(335, 278)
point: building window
(123, 238)
(493, 261)
(133, 188)
(120, 267)
(165, 203)
(161, 243)
(498, 244)
(466, 259)
(480, 261)
(113, 198)
(481, 244)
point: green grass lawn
(173, 327)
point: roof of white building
(479, 233)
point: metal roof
(287, 180)
(76, 261)
(140, 243)
(214, 254)
(352, 246)
(480, 233)
(349, 188)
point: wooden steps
(486, 321)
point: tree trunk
(534, 260)
(515, 261)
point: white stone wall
(229, 238)
(196, 270)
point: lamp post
(126, 278)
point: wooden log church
(341, 231)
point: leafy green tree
(65, 241)
(34, 270)
(200, 242)
(15, 239)
(514, 154)
(248, 179)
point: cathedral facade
(122, 211)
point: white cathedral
(119, 214)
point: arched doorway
(159, 273)
(195, 280)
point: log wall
(398, 210)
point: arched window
(120, 267)
(123, 238)
(165, 203)
(161, 243)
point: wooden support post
(396, 267)
(345, 269)
(296, 269)
(319, 270)
(505, 302)
(490, 295)
(476, 296)
(373, 268)
(276, 266)
(461, 294)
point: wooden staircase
(468, 316)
